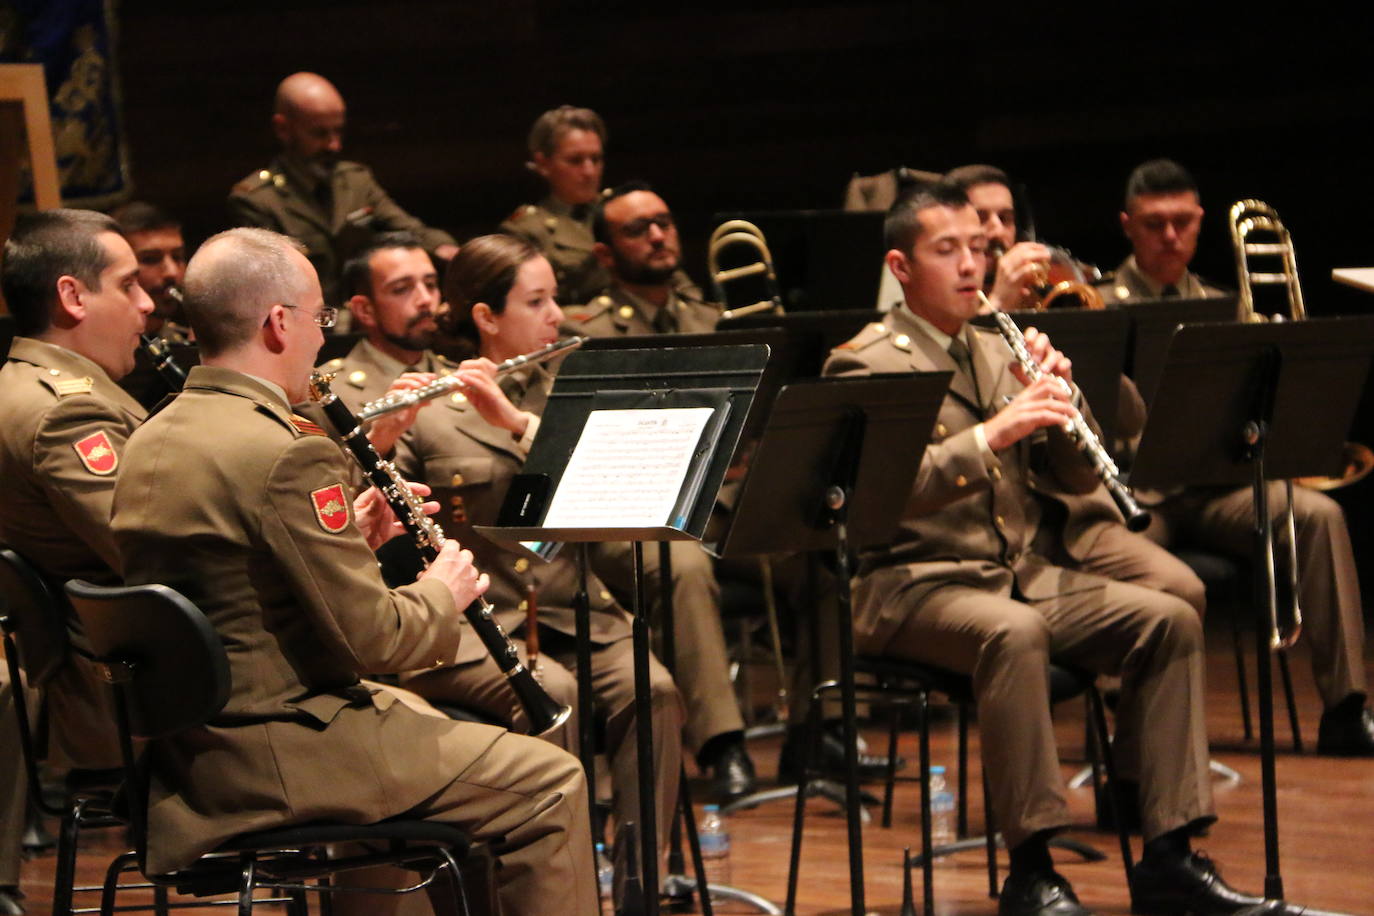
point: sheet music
(628, 468)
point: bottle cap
(937, 769)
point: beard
(415, 337)
(642, 274)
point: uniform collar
(580, 213)
(933, 345)
(1189, 287)
(391, 367)
(230, 381)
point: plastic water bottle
(941, 809)
(605, 872)
(715, 845)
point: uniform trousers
(1153, 640)
(482, 687)
(529, 794)
(13, 784)
(702, 667)
(1328, 585)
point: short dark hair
(47, 245)
(600, 231)
(1158, 176)
(483, 270)
(357, 271)
(554, 123)
(970, 176)
(141, 216)
(902, 226)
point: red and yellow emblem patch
(97, 454)
(331, 508)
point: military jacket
(1128, 284)
(63, 428)
(282, 198)
(229, 498)
(973, 516)
(564, 234)
(619, 313)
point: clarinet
(160, 355)
(1077, 429)
(399, 400)
(543, 712)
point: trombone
(739, 233)
(1248, 218)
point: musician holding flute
(466, 445)
(971, 581)
(243, 506)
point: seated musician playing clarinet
(230, 498)
(467, 445)
(969, 583)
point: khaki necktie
(959, 352)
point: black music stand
(724, 378)
(1095, 340)
(812, 334)
(1153, 322)
(821, 479)
(1279, 402)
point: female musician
(565, 147)
(501, 290)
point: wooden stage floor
(1326, 808)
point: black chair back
(36, 616)
(159, 646)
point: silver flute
(1077, 429)
(400, 400)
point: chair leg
(64, 874)
(990, 838)
(160, 907)
(247, 882)
(116, 868)
(1242, 680)
(890, 779)
(1103, 744)
(1292, 705)
(962, 828)
(927, 838)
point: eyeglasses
(325, 317)
(639, 227)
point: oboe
(1077, 429)
(543, 712)
(400, 400)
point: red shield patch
(331, 508)
(97, 454)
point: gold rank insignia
(70, 386)
(308, 427)
(626, 311)
(521, 565)
(551, 223)
(279, 180)
(357, 377)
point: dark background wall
(774, 105)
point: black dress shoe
(1347, 730)
(1039, 893)
(9, 902)
(1190, 884)
(732, 772)
(831, 764)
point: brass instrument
(543, 711)
(1248, 217)
(1064, 279)
(739, 233)
(400, 400)
(1077, 429)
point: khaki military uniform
(13, 785)
(964, 585)
(1129, 284)
(333, 223)
(63, 425)
(564, 233)
(230, 499)
(617, 312)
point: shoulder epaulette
(597, 306)
(259, 179)
(871, 334)
(65, 387)
(306, 426)
(524, 211)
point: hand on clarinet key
(1043, 403)
(386, 429)
(375, 518)
(454, 567)
(1050, 360)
